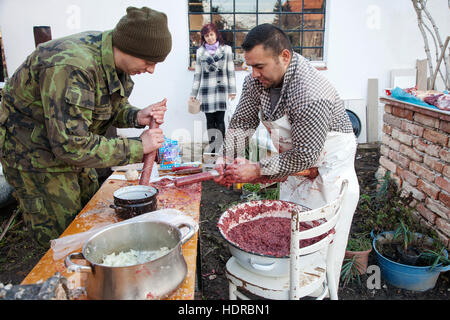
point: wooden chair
(309, 267)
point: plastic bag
(402, 95)
(68, 244)
(169, 154)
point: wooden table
(97, 212)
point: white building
(364, 39)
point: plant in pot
(359, 246)
(409, 254)
(435, 257)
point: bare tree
(428, 27)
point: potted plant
(398, 269)
(410, 255)
(359, 246)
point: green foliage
(251, 187)
(383, 210)
(359, 242)
(390, 210)
(272, 193)
(402, 232)
(435, 257)
(350, 272)
(262, 194)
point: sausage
(183, 168)
(199, 177)
(189, 171)
(148, 159)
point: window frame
(3, 69)
(319, 63)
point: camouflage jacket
(59, 103)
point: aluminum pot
(266, 265)
(155, 279)
(134, 200)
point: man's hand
(220, 166)
(154, 111)
(242, 170)
(152, 139)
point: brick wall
(416, 150)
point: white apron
(335, 163)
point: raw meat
(268, 236)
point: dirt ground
(19, 252)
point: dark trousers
(49, 201)
(216, 130)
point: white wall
(365, 39)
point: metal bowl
(135, 200)
(264, 264)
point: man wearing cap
(57, 107)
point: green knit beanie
(143, 33)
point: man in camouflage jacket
(58, 105)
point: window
(302, 20)
(3, 72)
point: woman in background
(214, 82)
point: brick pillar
(416, 150)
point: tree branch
(437, 54)
(424, 35)
(433, 79)
(435, 28)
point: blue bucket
(404, 276)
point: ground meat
(268, 236)
(252, 209)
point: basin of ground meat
(268, 236)
(264, 227)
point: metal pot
(135, 200)
(266, 265)
(154, 279)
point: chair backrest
(324, 219)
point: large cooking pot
(134, 200)
(154, 279)
(263, 264)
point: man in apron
(308, 126)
